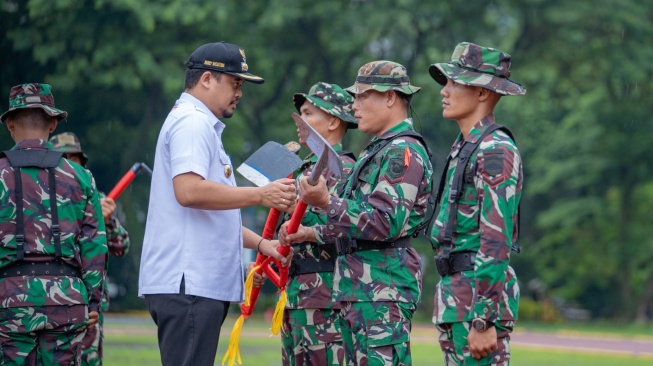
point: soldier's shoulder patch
(492, 172)
(396, 168)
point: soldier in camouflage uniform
(52, 240)
(476, 299)
(117, 240)
(378, 277)
(311, 333)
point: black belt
(39, 269)
(348, 246)
(300, 266)
(456, 262)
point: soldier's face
(459, 101)
(224, 94)
(316, 118)
(74, 157)
(370, 110)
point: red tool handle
(297, 217)
(124, 181)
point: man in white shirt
(191, 261)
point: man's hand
(259, 278)
(108, 208)
(269, 248)
(303, 234)
(317, 195)
(279, 194)
(93, 318)
(482, 344)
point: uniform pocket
(387, 342)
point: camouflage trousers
(453, 342)
(92, 344)
(42, 335)
(311, 337)
(377, 333)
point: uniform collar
(215, 122)
(474, 134)
(478, 129)
(36, 144)
(405, 125)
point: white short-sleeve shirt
(204, 246)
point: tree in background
(582, 128)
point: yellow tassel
(249, 284)
(277, 318)
(233, 352)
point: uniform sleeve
(498, 181)
(117, 237)
(93, 244)
(388, 189)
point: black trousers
(188, 327)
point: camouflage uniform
(118, 245)
(486, 219)
(311, 333)
(43, 317)
(378, 289)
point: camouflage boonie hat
(33, 95)
(475, 65)
(330, 98)
(68, 142)
(382, 76)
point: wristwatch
(481, 325)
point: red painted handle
(268, 233)
(297, 217)
(121, 185)
(124, 181)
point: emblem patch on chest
(396, 170)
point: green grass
(134, 343)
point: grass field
(134, 343)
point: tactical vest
(449, 263)
(42, 159)
(349, 245)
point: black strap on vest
(350, 154)
(354, 175)
(456, 187)
(44, 159)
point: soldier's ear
(483, 94)
(53, 124)
(334, 123)
(391, 97)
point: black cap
(222, 57)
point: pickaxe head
(327, 157)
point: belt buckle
(343, 246)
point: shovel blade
(270, 162)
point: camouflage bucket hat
(68, 142)
(33, 95)
(382, 76)
(475, 65)
(330, 98)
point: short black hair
(193, 77)
(33, 118)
